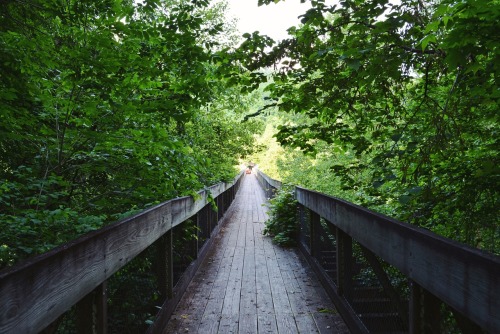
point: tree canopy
(398, 103)
(108, 107)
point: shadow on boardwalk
(249, 285)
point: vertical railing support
(91, 312)
(425, 311)
(466, 325)
(214, 214)
(344, 262)
(199, 230)
(165, 264)
(302, 236)
(314, 222)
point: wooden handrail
(465, 278)
(36, 292)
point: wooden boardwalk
(249, 285)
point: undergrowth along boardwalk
(249, 285)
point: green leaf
(426, 40)
(404, 199)
(354, 64)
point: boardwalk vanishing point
(247, 284)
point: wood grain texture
(37, 291)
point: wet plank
(249, 285)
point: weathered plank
(266, 323)
(209, 324)
(228, 323)
(248, 301)
(286, 323)
(231, 304)
(264, 296)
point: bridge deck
(249, 285)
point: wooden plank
(241, 234)
(263, 286)
(233, 291)
(266, 323)
(298, 301)
(231, 299)
(317, 303)
(220, 282)
(248, 300)
(197, 301)
(265, 303)
(211, 272)
(209, 324)
(305, 323)
(187, 314)
(229, 323)
(286, 323)
(169, 306)
(280, 298)
(247, 324)
(464, 278)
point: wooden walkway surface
(249, 285)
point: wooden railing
(269, 185)
(35, 293)
(389, 276)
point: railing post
(314, 222)
(91, 312)
(344, 262)
(466, 325)
(220, 207)
(199, 231)
(425, 313)
(165, 264)
(213, 217)
(302, 233)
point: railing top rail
(38, 290)
(396, 224)
(274, 183)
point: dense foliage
(397, 105)
(107, 107)
(111, 106)
(282, 223)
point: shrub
(283, 223)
